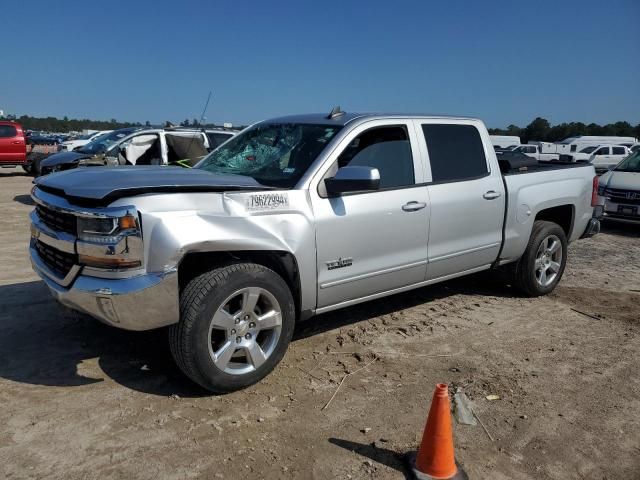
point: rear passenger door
(467, 198)
(602, 156)
(373, 241)
(618, 153)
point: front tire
(236, 323)
(541, 266)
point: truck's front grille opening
(630, 197)
(59, 221)
(59, 262)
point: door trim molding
(372, 274)
(355, 301)
(463, 252)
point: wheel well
(562, 215)
(283, 263)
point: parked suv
(621, 189)
(13, 147)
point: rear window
(455, 152)
(8, 131)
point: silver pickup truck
(294, 217)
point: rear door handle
(16, 142)
(491, 195)
(413, 206)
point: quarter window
(456, 152)
(8, 131)
(386, 148)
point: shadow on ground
(485, 283)
(383, 456)
(24, 199)
(620, 229)
(42, 343)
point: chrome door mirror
(353, 179)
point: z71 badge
(339, 263)
(267, 201)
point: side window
(8, 131)
(455, 152)
(602, 151)
(216, 139)
(618, 151)
(386, 148)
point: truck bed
(541, 167)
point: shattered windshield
(103, 142)
(629, 164)
(274, 154)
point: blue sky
(506, 62)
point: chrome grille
(59, 221)
(58, 261)
(628, 197)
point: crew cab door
(373, 241)
(467, 197)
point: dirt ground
(82, 400)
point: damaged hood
(64, 158)
(106, 184)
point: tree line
(540, 129)
(53, 124)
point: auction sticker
(267, 201)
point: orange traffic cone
(435, 459)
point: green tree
(538, 129)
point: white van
(504, 141)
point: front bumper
(621, 212)
(143, 302)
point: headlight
(113, 242)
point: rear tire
(541, 266)
(236, 323)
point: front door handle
(16, 142)
(491, 194)
(413, 206)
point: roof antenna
(335, 113)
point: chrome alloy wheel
(244, 331)
(548, 260)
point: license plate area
(628, 211)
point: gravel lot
(83, 400)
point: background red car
(13, 147)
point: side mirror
(353, 179)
